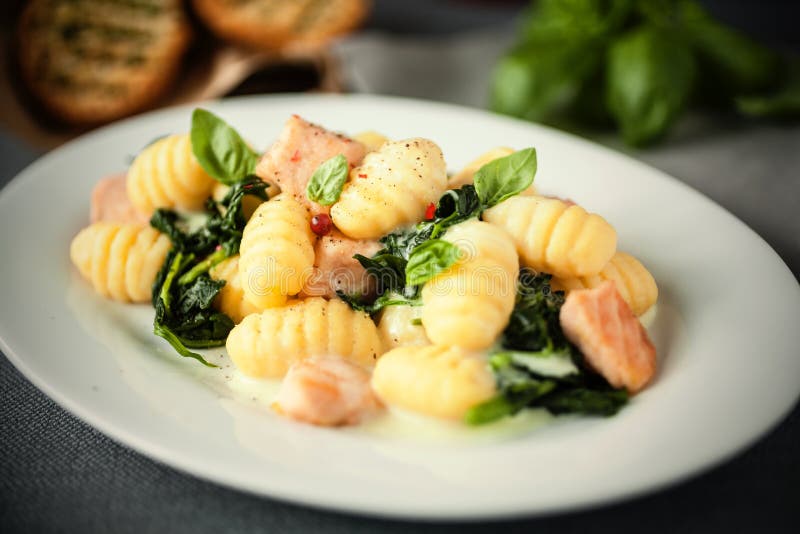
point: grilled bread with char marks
(271, 24)
(93, 61)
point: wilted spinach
(537, 366)
(183, 292)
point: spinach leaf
(183, 293)
(219, 149)
(603, 402)
(650, 77)
(505, 177)
(429, 259)
(327, 182)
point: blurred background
(707, 90)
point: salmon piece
(609, 335)
(297, 153)
(327, 391)
(110, 202)
(335, 268)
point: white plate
(726, 331)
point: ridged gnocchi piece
(276, 255)
(371, 139)
(391, 188)
(266, 344)
(399, 327)
(167, 175)
(634, 282)
(434, 380)
(555, 237)
(120, 260)
(230, 299)
(467, 175)
(470, 304)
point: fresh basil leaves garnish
(219, 149)
(327, 182)
(429, 259)
(505, 177)
(650, 78)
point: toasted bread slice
(92, 61)
(272, 24)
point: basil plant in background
(636, 65)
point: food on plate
(276, 252)
(110, 202)
(266, 344)
(469, 304)
(401, 325)
(300, 149)
(600, 323)
(554, 237)
(95, 61)
(634, 282)
(371, 139)
(120, 260)
(167, 175)
(327, 391)
(357, 274)
(466, 176)
(336, 269)
(271, 24)
(435, 380)
(231, 299)
(391, 188)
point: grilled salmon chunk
(613, 341)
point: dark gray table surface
(59, 475)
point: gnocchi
(371, 139)
(434, 380)
(120, 260)
(634, 282)
(266, 344)
(470, 304)
(391, 188)
(231, 299)
(167, 175)
(555, 237)
(401, 326)
(276, 252)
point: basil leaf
(219, 149)
(740, 64)
(785, 103)
(505, 177)
(327, 182)
(572, 20)
(539, 79)
(650, 75)
(429, 259)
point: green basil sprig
(328, 180)
(650, 77)
(219, 149)
(505, 177)
(429, 259)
